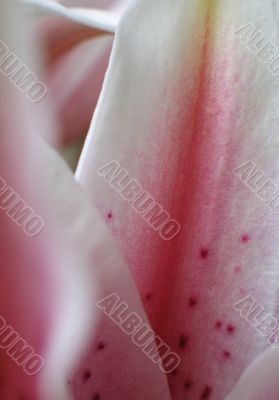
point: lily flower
(155, 273)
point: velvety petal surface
(112, 366)
(185, 103)
(260, 380)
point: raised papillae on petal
(186, 103)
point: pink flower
(164, 229)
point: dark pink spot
(101, 346)
(206, 392)
(245, 238)
(237, 269)
(188, 384)
(230, 328)
(204, 252)
(192, 302)
(110, 215)
(86, 375)
(183, 340)
(227, 354)
(148, 296)
(218, 324)
(96, 396)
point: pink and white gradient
(184, 103)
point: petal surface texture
(260, 380)
(111, 366)
(185, 103)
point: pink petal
(184, 104)
(78, 57)
(121, 377)
(41, 290)
(56, 270)
(75, 83)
